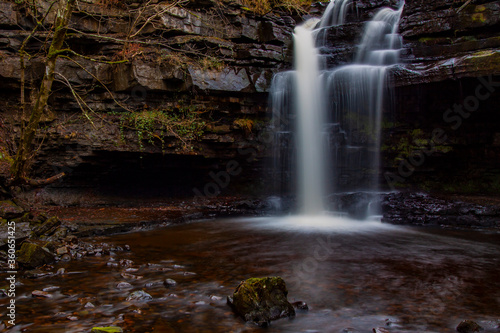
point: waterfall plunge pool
(355, 276)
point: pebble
(169, 282)
(131, 276)
(124, 285)
(139, 295)
(62, 250)
(51, 288)
(89, 305)
(112, 264)
(40, 293)
(65, 257)
(72, 318)
(126, 263)
(300, 305)
(131, 270)
(61, 271)
(153, 284)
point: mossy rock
(261, 300)
(109, 329)
(9, 210)
(32, 255)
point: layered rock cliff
(443, 131)
(153, 96)
(179, 95)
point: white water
(338, 112)
(335, 13)
(310, 113)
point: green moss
(182, 122)
(262, 299)
(109, 329)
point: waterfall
(335, 13)
(327, 122)
(310, 113)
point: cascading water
(309, 147)
(335, 13)
(334, 143)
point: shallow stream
(353, 275)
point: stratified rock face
(445, 42)
(211, 59)
(448, 82)
(261, 300)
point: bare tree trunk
(19, 167)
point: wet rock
(380, 330)
(61, 271)
(261, 300)
(89, 305)
(169, 283)
(124, 285)
(60, 233)
(140, 296)
(32, 255)
(36, 274)
(72, 318)
(109, 329)
(66, 257)
(9, 210)
(131, 276)
(40, 293)
(131, 270)
(51, 288)
(153, 284)
(48, 227)
(71, 240)
(300, 305)
(468, 326)
(62, 250)
(126, 263)
(349, 330)
(215, 298)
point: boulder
(32, 255)
(261, 300)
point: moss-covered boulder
(109, 329)
(261, 300)
(32, 254)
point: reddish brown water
(352, 277)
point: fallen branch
(464, 5)
(43, 182)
